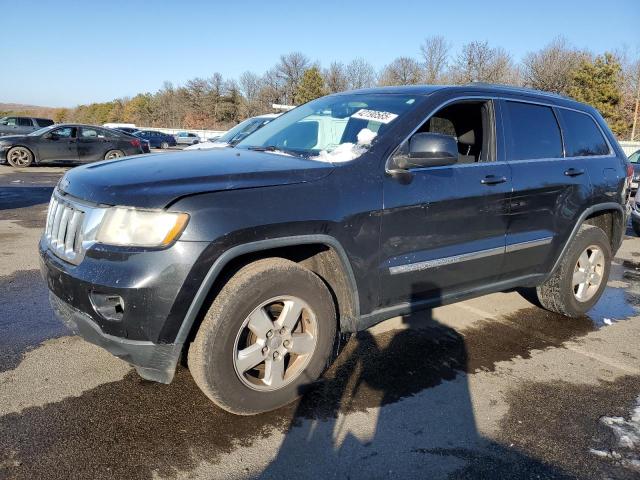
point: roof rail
(518, 89)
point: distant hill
(22, 109)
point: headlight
(140, 228)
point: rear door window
(532, 131)
(582, 136)
(25, 122)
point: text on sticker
(374, 116)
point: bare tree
(360, 74)
(478, 62)
(435, 54)
(290, 69)
(402, 71)
(552, 67)
(335, 77)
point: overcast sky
(67, 53)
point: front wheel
(582, 275)
(269, 332)
(20, 157)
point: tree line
(609, 81)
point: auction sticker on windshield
(374, 115)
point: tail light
(135, 142)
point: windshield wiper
(273, 148)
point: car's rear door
(93, 144)
(25, 125)
(549, 191)
(443, 228)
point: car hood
(154, 181)
(13, 138)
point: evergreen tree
(311, 86)
(597, 82)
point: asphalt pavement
(494, 387)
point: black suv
(353, 208)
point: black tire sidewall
(584, 238)
(219, 350)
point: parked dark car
(635, 216)
(157, 139)
(67, 142)
(350, 209)
(634, 159)
(22, 125)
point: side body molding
(257, 246)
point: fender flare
(593, 209)
(251, 247)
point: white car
(187, 138)
(237, 133)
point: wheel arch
(608, 216)
(28, 147)
(322, 254)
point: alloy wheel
(275, 343)
(588, 273)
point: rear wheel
(111, 154)
(582, 275)
(269, 332)
(164, 145)
(19, 157)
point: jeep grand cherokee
(343, 212)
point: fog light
(108, 306)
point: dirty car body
(387, 240)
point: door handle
(573, 172)
(493, 180)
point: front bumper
(156, 362)
(156, 288)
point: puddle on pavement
(27, 319)
(559, 423)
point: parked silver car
(186, 138)
(22, 125)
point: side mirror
(429, 150)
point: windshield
(243, 129)
(634, 157)
(41, 131)
(334, 129)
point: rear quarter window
(532, 131)
(582, 137)
(44, 122)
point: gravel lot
(489, 388)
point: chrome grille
(63, 231)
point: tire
(636, 227)
(113, 154)
(195, 142)
(20, 157)
(164, 145)
(559, 294)
(213, 359)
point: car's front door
(93, 143)
(443, 228)
(59, 144)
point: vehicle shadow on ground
(431, 433)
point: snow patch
(627, 435)
(348, 151)
(207, 146)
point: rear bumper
(156, 362)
